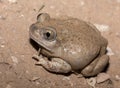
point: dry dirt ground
(18, 69)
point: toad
(69, 45)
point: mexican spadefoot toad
(69, 45)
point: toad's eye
(48, 33)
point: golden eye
(49, 33)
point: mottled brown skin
(75, 46)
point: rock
(102, 27)
(91, 81)
(117, 77)
(12, 1)
(102, 77)
(109, 51)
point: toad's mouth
(41, 44)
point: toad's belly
(81, 59)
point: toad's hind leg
(96, 66)
(55, 65)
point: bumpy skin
(76, 45)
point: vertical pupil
(48, 34)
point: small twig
(39, 51)
(41, 8)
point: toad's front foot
(54, 65)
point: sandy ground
(17, 68)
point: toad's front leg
(54, 65)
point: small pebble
(91, 81)
(21, 15)
(2, 46)
(52, 7)
(102, 77)
(82, 3)
(69, 81)
(35, 78)
(37, 83)
(109, 51)
(27, 71)
(2, 42)
(8, 86)
(14, 59)
(118, 34)
(12, 1)
(2, 18)
(66, 78)
(117, 77)
(102, 27)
